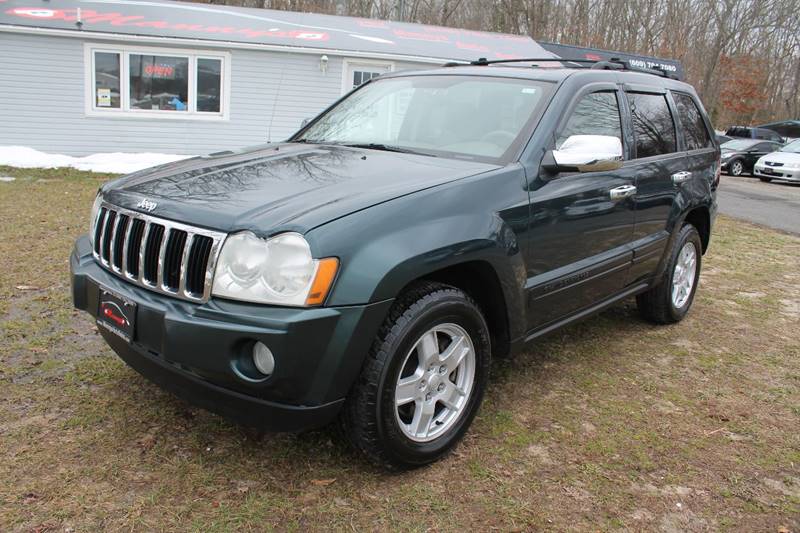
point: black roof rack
(614, 63)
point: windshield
(793, 147)
(738, 144)
(457, 116)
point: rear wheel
(423, 380)
(670, 300)
(736, 168)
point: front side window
(694, 128)
(459, 116)
(653, 128)
(136, 81)
(595, 114)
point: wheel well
(479, 280)
(701, 220)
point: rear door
(659, 167)
(701, 154)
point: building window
(144, 82)
(106, 80)
(209, 82)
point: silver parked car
(783, 164)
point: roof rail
(614, 63)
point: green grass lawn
(609, 424)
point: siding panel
(42, 101)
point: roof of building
(220, 25)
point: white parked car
(783, 164)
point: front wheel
(424, 378)
(670, 300)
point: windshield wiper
(384, 147)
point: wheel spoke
(407, 389)
(423, 416)
(451, 396)
(454, 354)
(428, 349)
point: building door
(357, 72)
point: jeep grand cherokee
(369, 268)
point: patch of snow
(118, 163)
(7, 178)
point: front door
(756, 152)
(358, 72)
(581, 226)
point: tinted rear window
(652, 124)
(694, 128)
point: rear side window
(652, 124)
(694, 128)
(595, 114)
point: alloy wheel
(435, 382)
(684, 275)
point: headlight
(725, 156)
(93, 217)
(280, 270)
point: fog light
(263, 359)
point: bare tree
(743, 56)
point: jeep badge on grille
(147, 205)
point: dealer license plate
(116, 314)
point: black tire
(369, 419)
(765, 180)
(656, 305)
(736, 167)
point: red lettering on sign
(472, 46)
(414, 35)
(160, 71)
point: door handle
(680, 177)
(618, 193)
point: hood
(787, 158)
(282, 186)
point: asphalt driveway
(776, 204)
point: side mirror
(585, 153)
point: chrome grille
(158, 254)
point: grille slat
(197, 267)
(99, 226)
(118, 240)
(160, 255)
(134, 247)
(152, 255)
(173, 259)
(108, 229)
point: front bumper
(777, 173)
(201, 352)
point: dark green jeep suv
(370, 267)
